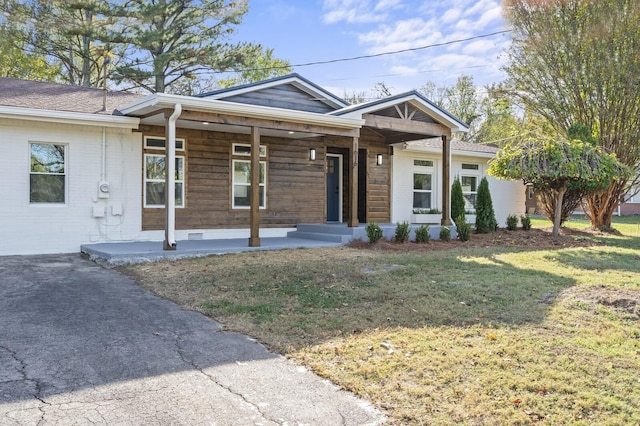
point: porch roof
(204, 113)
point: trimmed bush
(525, 220)
(512, 222)
(422, 234)
(464, 229)
(457, 199)
(485, 216)
(445, 234)
(374, 232)
(402, 232)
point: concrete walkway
(80, 344)
(111, 254)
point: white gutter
(162, 100)
(171, 176)
(66, 117)
(457, 152)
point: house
(84, 165)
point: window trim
(263, 150)
(477, 178)
(164, 139)
(145, 180)
(65, 174)
(474, 167)
(430, 170)
(248, 185)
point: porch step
(319, 236)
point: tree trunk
(602, 206)
(558, 217)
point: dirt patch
(539, 238)
(625, 300)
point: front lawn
(478, 334)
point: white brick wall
(38, 229)
(507, 196)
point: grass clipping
(479, 335)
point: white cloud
(451, 15)
(478, 47)
(358, 11)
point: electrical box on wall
(103, 189)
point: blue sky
(303, 31)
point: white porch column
(170, 179)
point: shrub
(445, 234)
(512, 222)
(374, 232)
(526, 222)
(485, 216)
(427, 211)
(464, 229)
(457, 199)
(422, 234)
(402, 232)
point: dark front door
(334, 188)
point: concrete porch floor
(121, 253)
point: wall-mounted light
(312, 154)
(379, 159)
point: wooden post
(254, 210)
(353, 184)
(446, 181)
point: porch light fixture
(379, 159)
(312, 154)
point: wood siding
(295, 185)
(284, 96)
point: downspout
(103, 170)
(170, 181)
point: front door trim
(340, 187)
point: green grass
(475, 335)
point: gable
(287, 96)
(289, 92)
(405, 111)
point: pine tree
(485, 216)
(457, 199)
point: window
(241, 196)
(469, 190)
(154, 180)
(423, 163)
(245, 150)
(422, 190)
(154, 142)
(47, 173)
(467, 166)
(530, 192)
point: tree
(485, 215)
(258, 68)
(171, 40)
(17, 63)
(457, 199)
(578, 62)
(554, 163)
(461, 100)
(72, 36)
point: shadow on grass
(600, 260)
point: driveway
(80, 344)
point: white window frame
(263, 150)
(248, 185)
(65, 174)
(180, 143)
(424, 170)
(146, 180)
(477, 177)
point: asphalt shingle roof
(456, 145)
(59, 97)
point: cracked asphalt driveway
(80, 344)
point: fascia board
(456, 152)
(160, 101)
(66, 117)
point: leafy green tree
(17, 63)
(555, 163)
(258, 68)
(485, 215)
(578, 62)
(457, 199)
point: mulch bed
(534, 238)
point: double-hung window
(47, 180)
(469, 182)
(241, 177)
(422, 184)
(155, 173)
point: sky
(303, 31)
